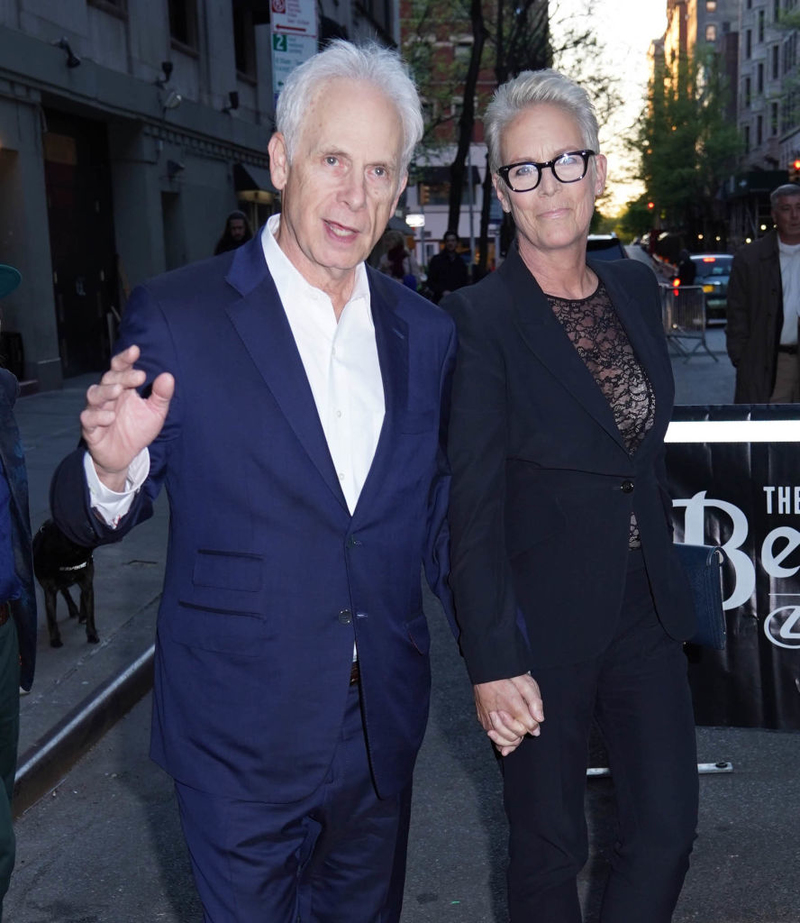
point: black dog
(59, 564)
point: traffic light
(651, 206)
(424, 193)
(794, 170)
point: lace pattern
(596, 332)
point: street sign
(294, 17)
(287, 52)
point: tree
(685, 145)
(502, 38)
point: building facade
(128, 131)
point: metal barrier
(683, 311)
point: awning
(437, 176)
(247, 178)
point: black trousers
(638, 691)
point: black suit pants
(638, 691)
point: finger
(506, 732)
(505, 723)
(92, 420)
(162, 391)
(504, 745)
(125, 359)
(528, 688)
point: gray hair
(783, 192)
(528, 89)
(370, 63)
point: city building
(129, 129)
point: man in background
(237, 232)
(17, 598)
(763, 308)
(447, 271)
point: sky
(625, 28)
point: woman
(397, 262)
(570, 600)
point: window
(115, 7)
(776, 10)
(759, 131)
(747, 92)
(760, 79)
(183, 22)
(244, 41)
(761, 24)
(711, 32)
(774, 119)
(746, 138)
(748, 44)
(776, 61)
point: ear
(600, 171)
(501, 191)
(278, 161)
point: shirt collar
(287, 277)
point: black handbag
(703, 567)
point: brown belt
(355, 673)
(5, 614)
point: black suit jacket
(542, 484)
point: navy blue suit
(269, 579)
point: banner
(734, 477)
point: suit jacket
(755, 318)
(269, 579)
(13, 459)
(543, 486)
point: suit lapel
(649, 351)
(547, 339)
(261, 323)
(391, 337)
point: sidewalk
(127, 582)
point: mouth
(340, 231)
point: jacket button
(627, 487)
(345, 616)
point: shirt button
(345, 616)
(338, 413)
(341, 477)
(627, 487)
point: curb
(45, 764)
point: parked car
(713, 272)
(605, 247)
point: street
(105, 845)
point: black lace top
(597, 334)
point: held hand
(117, 423)
(508, 709)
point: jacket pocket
(228, 570)
(418, 633)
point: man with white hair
(763, 308)
(291, 401)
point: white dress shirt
(790, 282)
(342, 368)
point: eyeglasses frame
(541, 167)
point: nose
(548, 183)
(354, 190)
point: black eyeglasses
(569, 167)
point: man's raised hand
(117, 423)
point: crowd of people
(322, 433)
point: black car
(605, 247)
(713, 272)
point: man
(299, 442)
(447, 271)
(237, 232)
(763, 307)
(18, 606)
